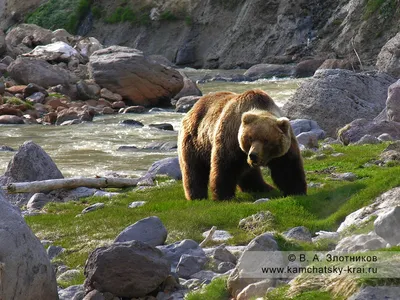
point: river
(90, 149)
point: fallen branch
(208, 237)
(68, 183)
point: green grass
(280, 294)
(56, 14)
(216, 290)
(385, 8)
(17, 101)
(322, 209)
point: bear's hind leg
(252, 181)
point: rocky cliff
(241, 33)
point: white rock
(387, 226)
(361, 242)
(137, 204)
(219, 235)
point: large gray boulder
(334, 98)
(25, 70)
(128, 72)
(264, 243)
(354, 131)
(2, 43)
(24, 37)
(129, 270)
(261, 71)
(377, 293)
(30, 163)
(386, 226)
(26, 270)
(388, 59)
(393, 102)
(149, 230)
(167, 166)
(190, 88)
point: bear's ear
(248, 118)
(283, 124)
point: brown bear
(226, 137)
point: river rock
(361, 242)
(38, 201)
(37, 97)
(149, 230)
(136, 109)
(162, 126)
(164, 146)
(130, 122)
(154, 84)
(354, 131)
(190, 88)
(70, 292)
(329, 93)
(386, 226)
(334, 63)
(376, 293)
(236, 283)
(32, 88)
(30, 163)
(3, 46)
(4, 148)
(221, 254)
(388, 59)
(74, 113)
(218, 235)
(393, 101)
(304, 126)
(104, 93)
(54, 251)
(167, 166)
(11, 120)
(255, 290)
(9, 109)
(299, 233)
(87, 46)
(29, 70)
(173, 252)
(26, 270)
(189, 265)
(118, 105)
(368, 140)
(37, 36)
(307, 68)
(381, 205)
(184, 104)
(131, 269)
(54, 52)
(261, 71)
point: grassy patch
(216, 290)
(322, 209)
(280, 293)
(17, 101)
(56, 14)
(385, 8)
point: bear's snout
(253, 159)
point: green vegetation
(280, 294)
(126, 14)
(385, 8)
(216, 290)
(56, 14)
(168, 16)
(17, 101)
(324, 208)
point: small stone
(54, 251)
(225, 266)
(189, 265)
(127, 148)
(149, 230)
(162, 126)
(385, 137)
(105, 194)
(262, 200)
(93, 207)
(130, 122)
(156, 109)
(327, 148)
(386, 226)
(219, 235)
(38, 201)
(137, 204)
(137, 109)
(299, 233)
(368, 139)
(337, 154)
(6, 148)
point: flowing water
(90, 149)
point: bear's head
(263, 137)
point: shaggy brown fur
(226, 137)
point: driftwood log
(68, 183)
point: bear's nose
(253, 157)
